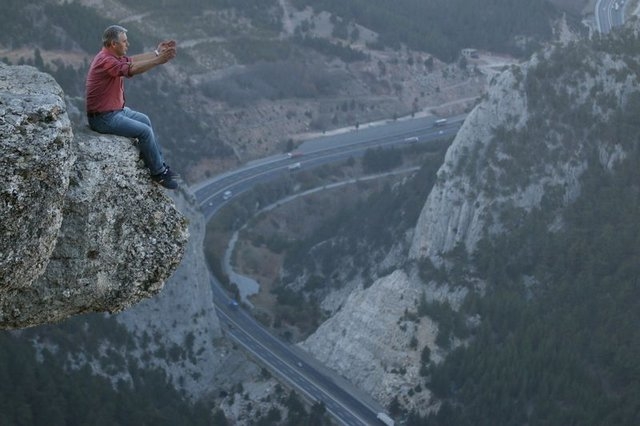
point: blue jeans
(132, 124)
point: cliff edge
(83, 228)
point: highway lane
(290, 365)
(348, 405)
(314, 153)
(609, 14)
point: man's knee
(146, 133)
(146, 120)
(140, 117)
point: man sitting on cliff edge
(106, 110)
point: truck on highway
(385, 419)
(440, 122)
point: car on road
(295, 166)
(227, 194)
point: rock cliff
(183, 316)
(83, 228)
(368, 341)
(523, 148)
(455, 211)
(528, 141)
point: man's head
(114, 38)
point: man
(106, 110)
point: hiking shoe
(166, 179)
(170, 172)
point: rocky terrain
(71, 243)
(86, 230)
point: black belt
(96, 114)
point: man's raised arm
(143, 62)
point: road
(316, 152)
(609, 14)
(291, 364)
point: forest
(557, 342)
(40, 387)
(563, 351)
(444, 27)
(37, 387)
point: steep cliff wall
(182, 316)
(527, 142)
(524, 148)
(369, 340)
(83, 228)
(456, 212)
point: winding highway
(316, 152)
(290, 364)
(610, 14)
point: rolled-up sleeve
(117, 67)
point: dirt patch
(51, 58)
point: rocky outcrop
(524, 144)
(183, 316)
(83, 228)
(369, 339)
(455, 211)
(35, 163)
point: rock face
(183, 316)
(522, 145)
(456, 211)
(83, 227)
(522, 149)
(35, 163)
(368, 340)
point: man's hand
(166, 55)
(166, 51)
(167, 44)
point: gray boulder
(83, 227)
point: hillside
(251, 78)
(517, 305)
(493, 309)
